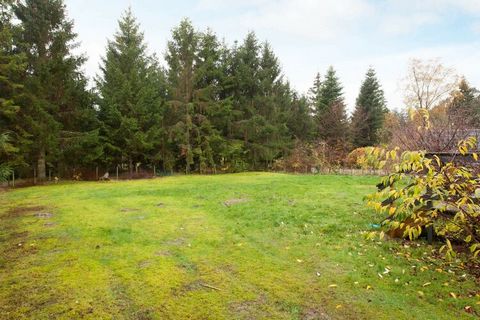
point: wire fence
(142, 172)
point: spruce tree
(331, 116)
(11, 70)
(466, 104)
(182, 51)
(315, 92)
(300, 122)
(331, 91)
(56, 101)
(273, 104)
(131, 96)
(211, 108)
(369, 114)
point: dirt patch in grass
(127, 305)
(125, 210)
(314, 314)
(175, 242)
(18, 235)
(44, 215)
(21, 211)
(250, 309)
(232, 202)
(163, 253)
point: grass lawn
(284, 247)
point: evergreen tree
(300, 121)
(369, 114)
(182, 51)
(11, 69)
(211, 108)
(466, 104)
(131, 96)
(261, 100)
(56, 101)
(244, 88)
(331, 116)
(331, 91)
(315, 93)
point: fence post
(13, 179)
(117, 172)
(154, 171)
(96, 173)
(34, 175)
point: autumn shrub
(316, 157)
(423, 192)
(354, 157)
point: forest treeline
(207, 107)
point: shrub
(318, 156)
(422, 192)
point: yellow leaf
(369, 288)
(453, 295)
(332, 286)
(426, 284)
(420, 293)
(475, 156)
(338, 306)
(299, 261)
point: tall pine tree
(131, 99)
(330, 113)
(11, 70)
(56, 102)
(369, 114)
(466, 104)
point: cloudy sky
(309, 35)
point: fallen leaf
(338, 306)
(420, 293)
(332, 286)
(453, 295)
(468, 309)
(426, 284)
(299, 261)
(369, 288)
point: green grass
(170, 249)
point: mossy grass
(285, 247)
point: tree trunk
(41, 166)
(130, 167)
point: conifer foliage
(369, 114)
(204, 107)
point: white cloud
(403, 24)
(308, 19)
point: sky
(307, 35)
